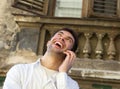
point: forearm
(61, 82)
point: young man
(50, 71)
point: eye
(69, 39)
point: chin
(59, 51)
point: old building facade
(26, 25)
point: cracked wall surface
(8, 36)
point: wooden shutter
(39, 7)
(101, 8)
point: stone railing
(95, 42)
(98, 39)
(97, 45)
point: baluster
(99, 47)
(87, 47)
(111, 49)
(78, 48)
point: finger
(70, 57)
(67, 56)
(72, 54)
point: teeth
(58, 43)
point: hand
(68, 62)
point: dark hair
(74, 34)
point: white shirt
(35, 76)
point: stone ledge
(101, 69)
(97, 64)
(68, 21)
(81, 72)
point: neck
(52, 60)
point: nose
(62, 39)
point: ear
(48, 42)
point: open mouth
(58, 44)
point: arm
(62, 81)
(12, 80)
(65, 82)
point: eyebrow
(61, 32)
(68, 36)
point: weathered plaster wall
(8, 33)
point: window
(101, 8)
(68, 8)
(39, 7)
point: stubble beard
(57, 52)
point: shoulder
(20, 68)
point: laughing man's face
(61, 41)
